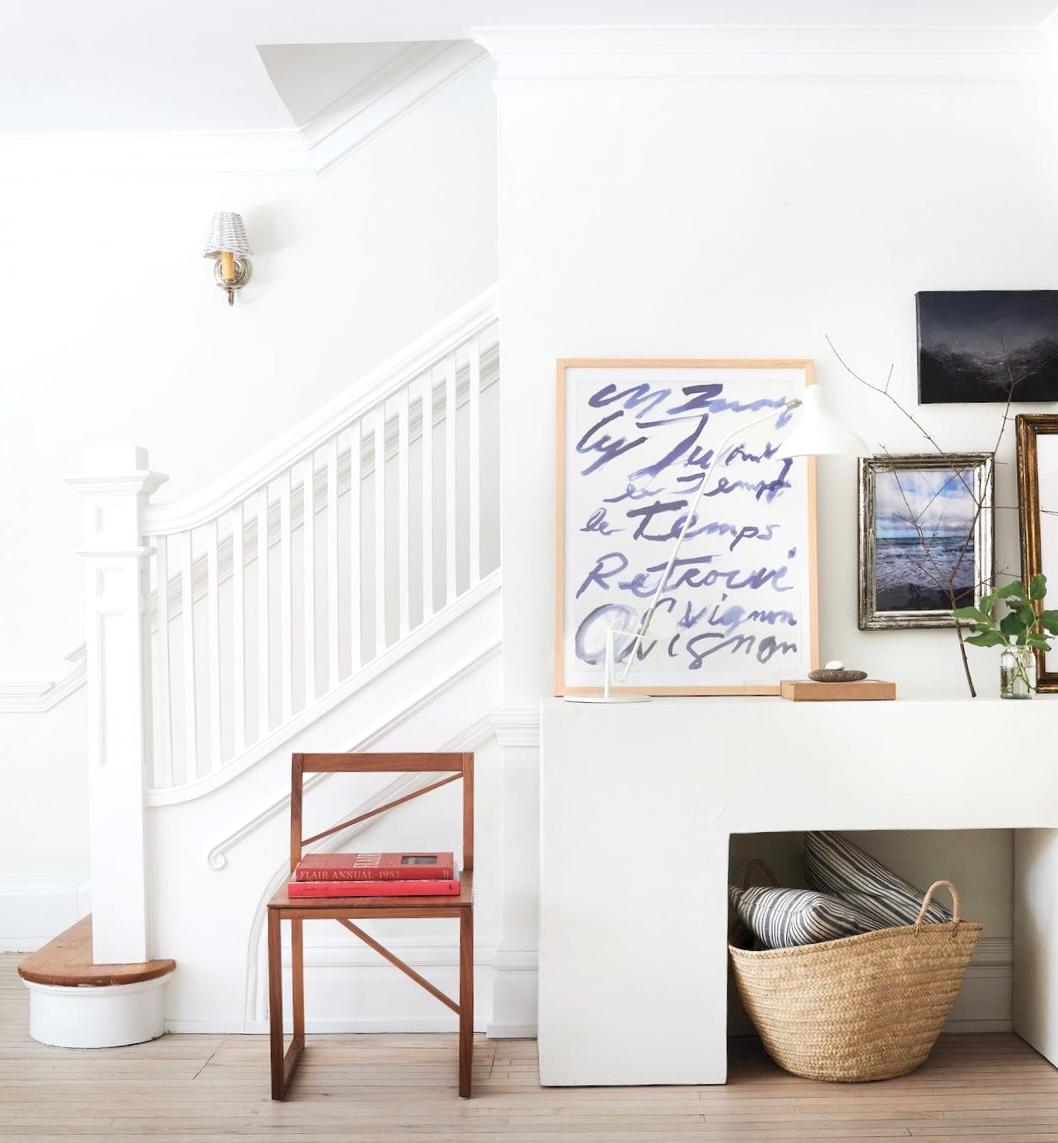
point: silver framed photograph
(925, 538)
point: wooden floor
(388, 1089)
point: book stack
(374, 875)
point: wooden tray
(867, 690)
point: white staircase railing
(321, 555)
(277, 586)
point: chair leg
(275, 1003)
(466, 1002)
(297, 974)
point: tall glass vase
(1017, 673)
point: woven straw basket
(868, 1007)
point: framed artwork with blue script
(987, 345)
(737, 613)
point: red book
(433, 888)
(375, 867)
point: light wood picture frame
(644, 425)
(1037, 449)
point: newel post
(114, 487)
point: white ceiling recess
(269, 85)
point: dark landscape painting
(976, 345)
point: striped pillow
(833, 864)
(779, 918)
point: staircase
(339, 590)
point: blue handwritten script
(733, 607)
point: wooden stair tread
(66, 960)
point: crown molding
(384, 98)
(338, 131)
(1012, 55)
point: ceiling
(77, 66)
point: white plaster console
(637, 807)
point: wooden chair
(343, 909)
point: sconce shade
(817, 433)
(227, 234)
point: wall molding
(34, 907)
(514, 726)
(338, 131)
(1014, 54)
(40, 696)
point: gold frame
(1029, 427)
(807, 366)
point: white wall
(670, 217)
(114, 332)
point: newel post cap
(117, 468)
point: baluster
(238, 630)
(286, 630)
(450, 478)
(263, 649)
(164, 717)
(402, 510)
(187, 624)
(426, 433)
(474, 435)
(355, 555)
(308, 552)
(213, 610)
(332, 563)
(380, 529)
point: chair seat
(463, 899)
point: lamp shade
(227, 234)
(817, 433)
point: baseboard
(511, 1031)
(36, 907)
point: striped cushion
(779, 918)
(833, 864)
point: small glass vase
(1017, 673)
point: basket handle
(927, 899)
(764, 867)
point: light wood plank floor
(389, 1089)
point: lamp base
(612, 698)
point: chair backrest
(453, 766)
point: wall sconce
(228, 244)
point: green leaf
(1012, 625)
(988, 639)
(1011, 590)
(1039, 642)
(1038, 586)
(987, 603)
(1049, 621)
(1024, 612)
